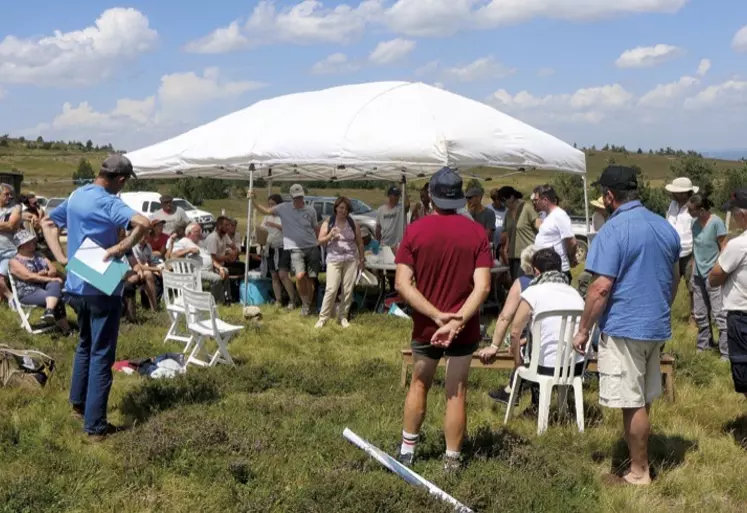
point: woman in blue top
(709, 239)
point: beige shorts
(629, 372)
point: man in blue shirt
(95, 211)
(634, 259)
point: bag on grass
(24, 368)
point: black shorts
(736, 332)
(686, 270)
(279, 260)
(436, 353)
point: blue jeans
(98, 320)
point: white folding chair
(173, 285)
(203, 322)
(563, 375)
(24, 311)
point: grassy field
(266, 435)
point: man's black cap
(619, 178)
(446, 190)
(393, 191)
(507, 191)
(117, 165)
(738, 199)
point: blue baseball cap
(446, 190)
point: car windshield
(184, 204)
(54, 202)
(359, 207)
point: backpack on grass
(24, 368)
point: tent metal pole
(404, 203)
(249, 212)
(269, 187)
(586, 205)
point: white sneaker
(319, 324)
(344, 323)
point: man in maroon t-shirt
(443, 272)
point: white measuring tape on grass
(402, 471)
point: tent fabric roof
(379, 130)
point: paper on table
(92, 255)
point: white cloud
(78, 58)
(482, 69)
(504, 12)
(309, 21)
(704, 67)
(176, 104)
(388, 52)
(312, 21)
(427, 69)
(180, 91)
(336, 63)
(739, 43)
(430, 18)
(664, 95)
(731, 94)
(647, 56)
(587, 105)
(545, 72)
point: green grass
(266, 435)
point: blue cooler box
(257, 291)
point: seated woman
(506, 317)
(148, 271)
(549, 291)
(37, 281)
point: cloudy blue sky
(646, 73)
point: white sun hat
(682, 184)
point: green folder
(107, 282)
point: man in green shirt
(519, 228)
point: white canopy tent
(380, 130)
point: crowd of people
(633, 250)
(445, 246)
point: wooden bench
(505, 361)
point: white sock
(454, 455)
(409, 441)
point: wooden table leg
(403, 380)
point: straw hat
(682, 184)
(598, 203)
(22, 237)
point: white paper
(92, 255)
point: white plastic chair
(184, 266)
(203, 322)
(563, 376)
(24, 311)
(173, 285)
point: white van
(147, 203)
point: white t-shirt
(555, 228)
(733, 261)
(274, 235)
(597, 221)
(546, 297)
(682, 221)
(203, 259)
